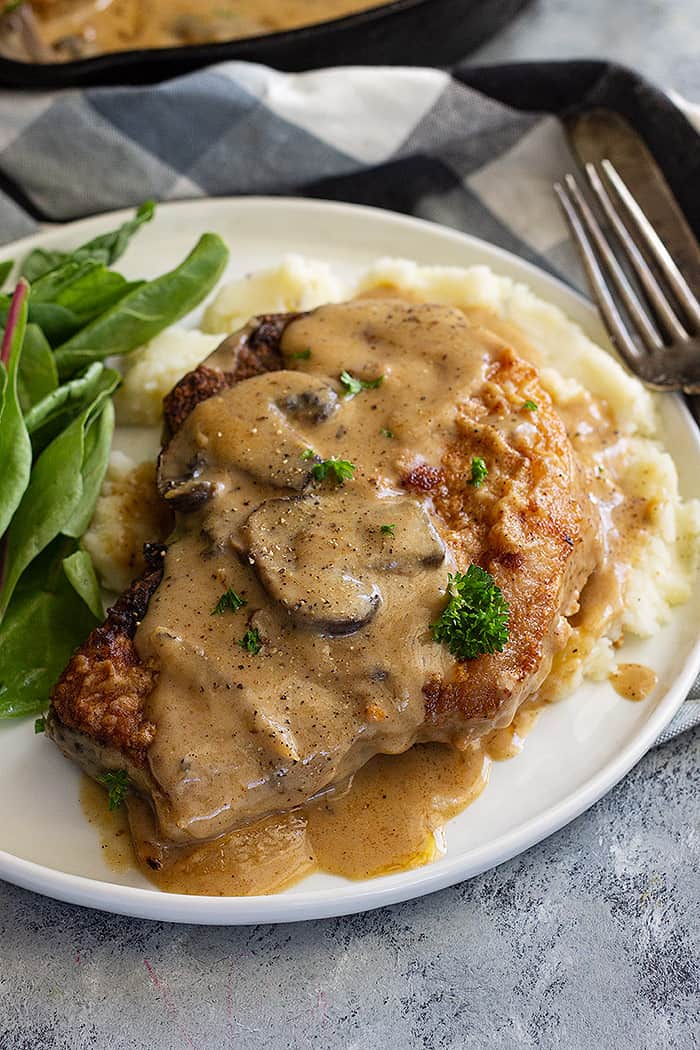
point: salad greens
(148, 309)
(69, 312)
(15, 446)
(106, 248)
(44, 623)
(38, 374)
(80, 571)
(64, 485)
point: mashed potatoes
(128, 514)
(155, 369)
(665, 561)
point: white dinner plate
(577, 751)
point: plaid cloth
(477, 150)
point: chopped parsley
(117, 784)
(308, 453)
(341, 470)
(385, 432)
(355, 386)
(479, 472)
(530, 406)
(301, 355)
(228, 600)
(40, 725)
(388, 530)
(475, 619)
(251, 641)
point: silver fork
(661, 345)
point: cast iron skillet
(422, 32)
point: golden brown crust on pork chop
(240, 356)
(528, 527)
(103, 688)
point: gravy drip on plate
(633, 681)
(388, 818)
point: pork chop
(322, 471)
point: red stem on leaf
(18, 298)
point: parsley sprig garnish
(385, 432)
(340, 470)
(40, 724)
(228, 600)
(475, 619)
(530, 406)
(117, 784)
(388, 530)
(354, 386)
(251, 641)
(479, 472)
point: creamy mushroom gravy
(243, 450)
(311, 562)
(388, 818)
(81, 28)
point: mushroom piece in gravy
(324, 557)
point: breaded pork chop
(322, 468)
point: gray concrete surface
(590, 940)
(587, 942)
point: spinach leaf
(111, 246)
(98, 442)
(55, 411)
(15, 446)
(147, 310)
(62, 489)
(85, 288)
(79, 569)
(57, 323)
(40, 261)
(37, 375)
(94, 292)
(5, 270)
(48, 288)
(47, 619)
(106, 248)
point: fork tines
(645, 342)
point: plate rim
(366, 895)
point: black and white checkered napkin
(477, 150)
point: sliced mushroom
(313, 404)
(323, 555)
(189, 491)
(250, 427)
(306, 563)
(414, 542)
